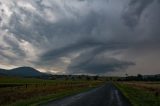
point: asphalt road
(107, 95)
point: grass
(140, 94)
(30, 91)
(44, 99)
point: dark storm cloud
(62, 30)
(70, 48)
(81, 33)
(94, 47)
(94, 67)
(94, 61)
(94, 64)
(134, 10)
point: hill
(22, 72)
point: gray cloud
(14, 46)
(69, 49)
(134, 10)
(79, 36)
(97, 65)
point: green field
(31, 91)
(141, 93)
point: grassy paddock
(29, 91)
(35, 101)
(141, 93)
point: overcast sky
(104, 37)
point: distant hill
(22, 72)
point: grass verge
(137, 96)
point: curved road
(107, 95)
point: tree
(96, 77)
(88, 77)
(139, 77)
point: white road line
(118, 98)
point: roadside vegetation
(32, 91)
(141, 93)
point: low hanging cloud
(100, 67)
(95, 62)
(79, 36)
